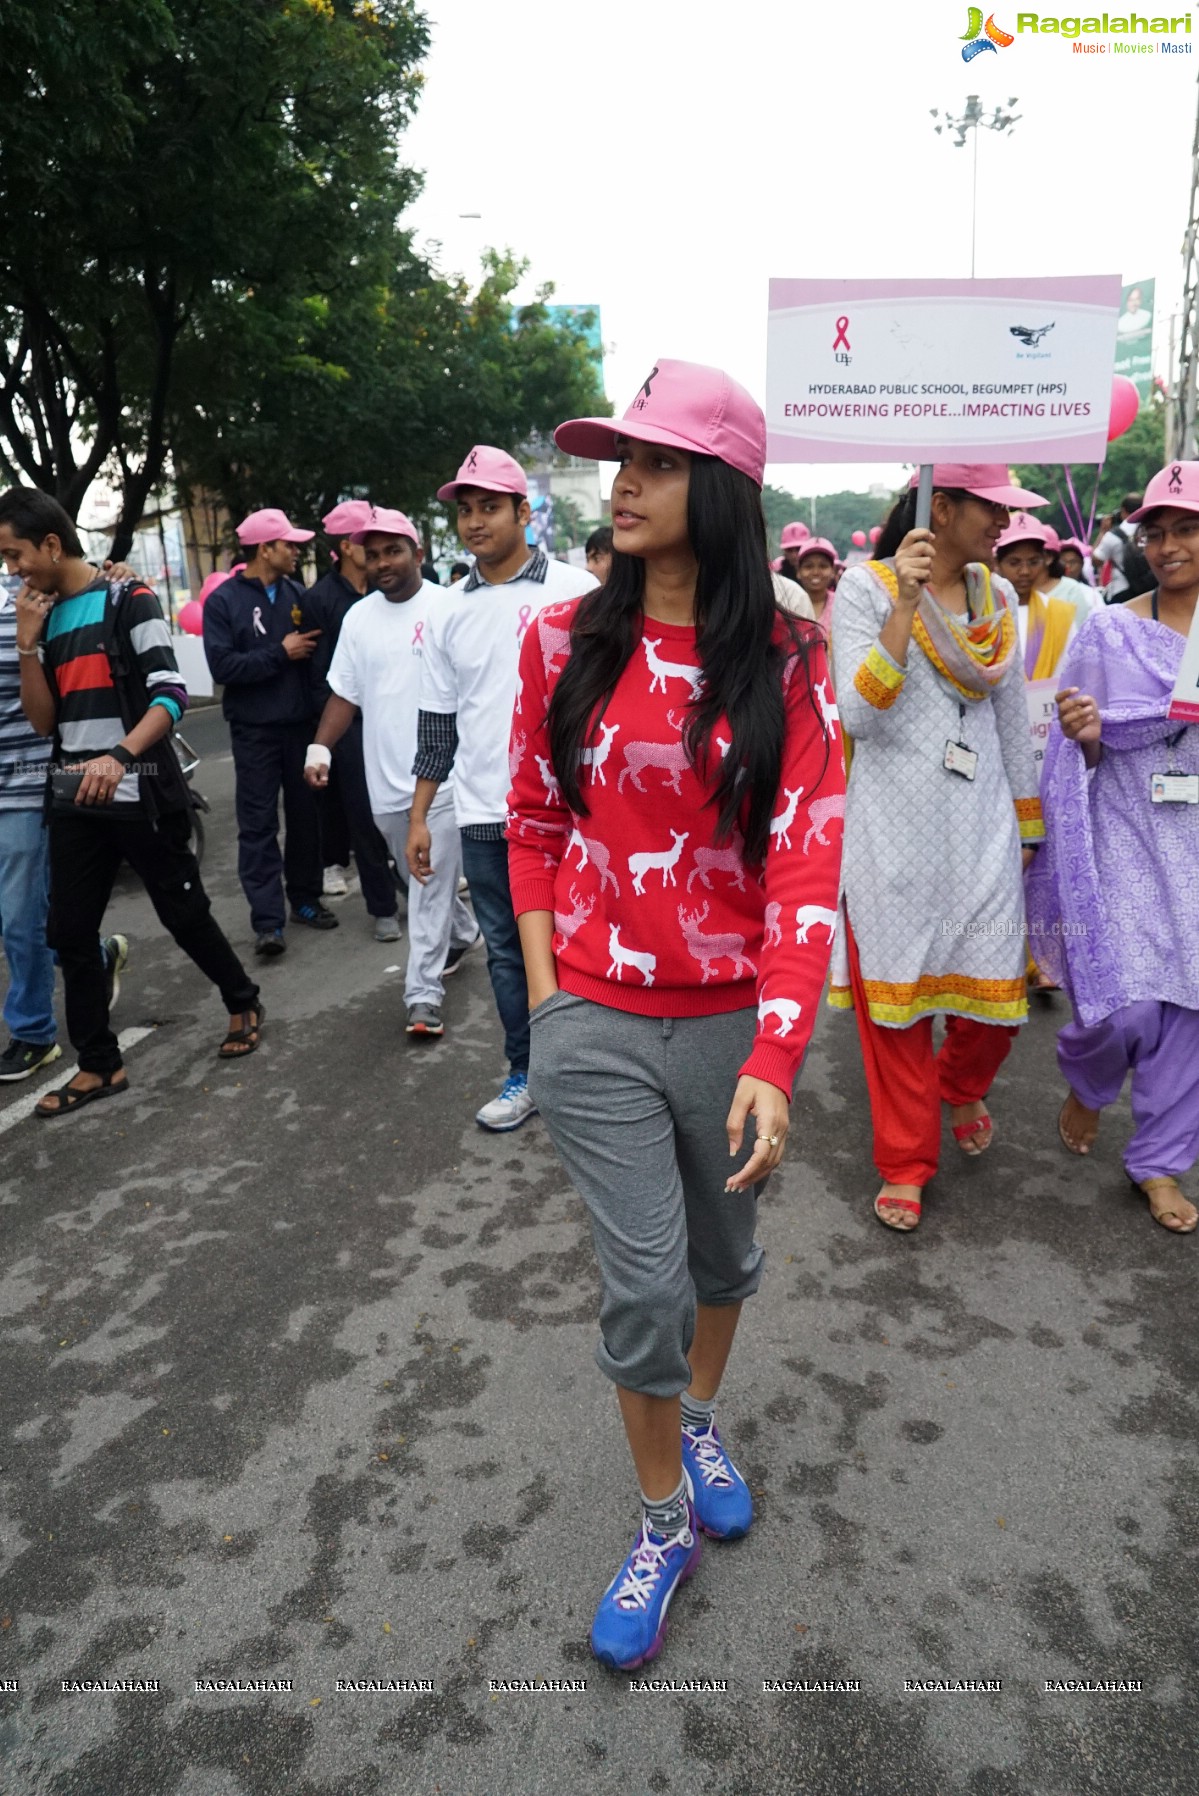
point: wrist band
(318, 755)
(121, 753)
(36, 650)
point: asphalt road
(297, 1384)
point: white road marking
(24, 1106)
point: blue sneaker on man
(723, 1506)
(630, 1623)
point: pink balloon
(876, 532)
(191, 618)
(858, 539)
(210, 585)
(1126, 403)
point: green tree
(379, 388)
(174, 178)
(1131, 460)
(838, 515)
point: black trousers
(85, 855)
(348, 821)
(269, 759)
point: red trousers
(908, 1082)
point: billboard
(1134, 336)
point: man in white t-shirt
(376, 669)
(468, 692)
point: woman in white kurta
(941, 811)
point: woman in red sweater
(674, 837)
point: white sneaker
(387, 929)
(334, 885)
(513, 1106)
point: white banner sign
(1041, 713)
(1004, 370)
(1184, 703)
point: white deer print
(516, 754)
(830, 717)
(665, 864)
(553, 792)
(581, 909)
(709, 948)
(554, 642)
(785, 1011)
(822, 811)
(669, 758)
(814, 916)
(719, 860)
(597, 852)
(669, 670)
(626, 957)
(772, 936)
(780, 826)
(595, 756)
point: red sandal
(911, 1204)
(964, 1133)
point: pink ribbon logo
(418, 635)
(258, 623)
(526, 616)
(841, 341)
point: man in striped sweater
(98, 673)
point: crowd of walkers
(676, 785)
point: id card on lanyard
(959, 758)
(1174, 786)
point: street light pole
(971, 120)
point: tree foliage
(838, 515)
(1131, 462)
(203, 261)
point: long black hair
(902, 518)
(736, 621)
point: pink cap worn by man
(345, 518)
(683, 405)
(381, 521)
(270, 526)
(793, 535)
(491, 470)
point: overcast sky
(663, 160)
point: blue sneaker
(630, 1623)
(723, 1506)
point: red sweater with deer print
(650, 914)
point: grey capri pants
(636, 1107)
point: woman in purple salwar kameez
(1113, 898)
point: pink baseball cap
(347, 517)
(382, 522)
(491, 469)
(1177, 485)
(1074, 542)
(270, 526)
(1053, 541)
(684, 406)
(1022, 529)
(817, 545)
(983, 480)
(793, 535)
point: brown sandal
(248, 1034)
(1182, 1225)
